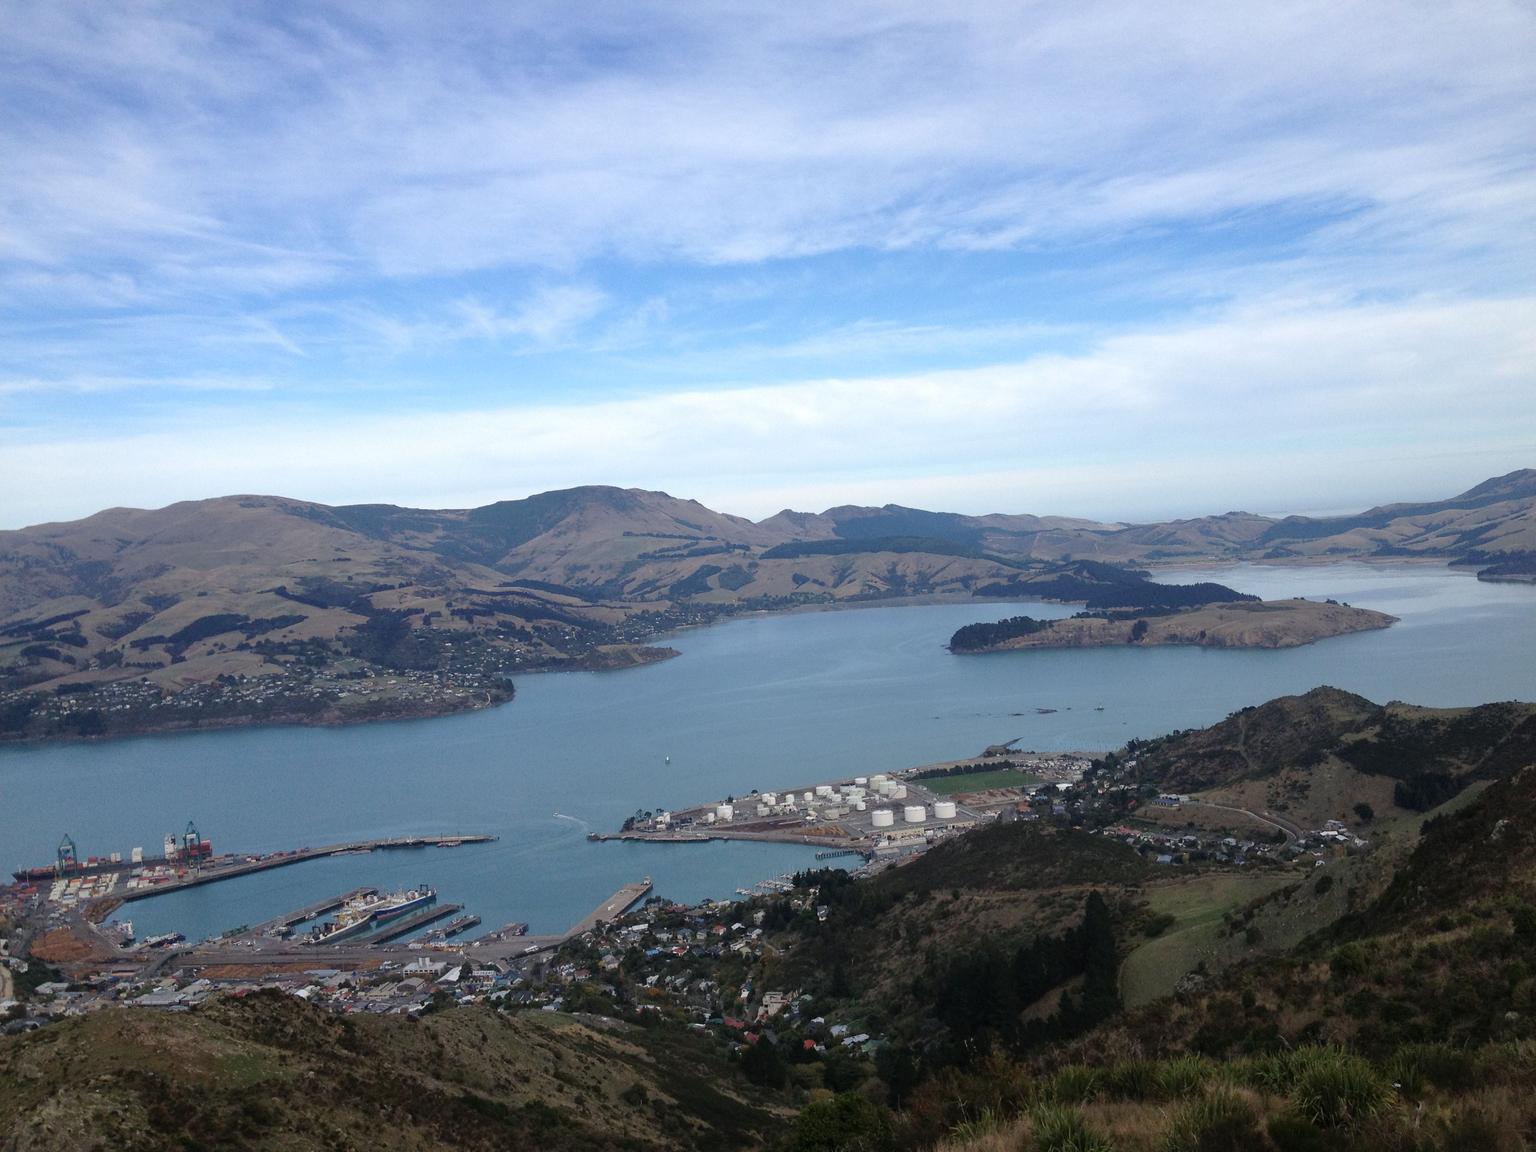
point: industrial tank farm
(875, 816)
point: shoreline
(643, 655)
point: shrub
(1133, 1080)
(1418, 1066)
(1293, 1134)
(1184, 1077)
(846, 1123)
(1220, 1121)
(1062, 1129)
(1334, 1089)
(1074, 1084)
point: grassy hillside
(270, 1072)
(1292, 743)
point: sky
(1121, 260)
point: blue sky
(1108, 259)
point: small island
(1246, 624)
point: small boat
(666, 759)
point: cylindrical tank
(725, 811)
(823, 789)
(807, 797)
(878, 779)
(770, 798)
(861, 780)
(899, 792)
(886, 788)
(762, 810)
(914, 813)
(859, 805)
(944, 809)
(882, 818)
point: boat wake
(582, 824)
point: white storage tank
(914, 813)
(944, 809)
(808, 797)
(886, 788)
(725, 811)
(762, 809)
(823, 790)
(899, 792)
(859, 805)
(882, 818)
(878, 779)
(770, 798)
(861, 780)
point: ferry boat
(361, 913)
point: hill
(270, 1072)
(248, 609)
(1288, 747)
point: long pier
(213, 872)
(404, 927)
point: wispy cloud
(1250, 394)
(596, 203)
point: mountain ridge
(239, 588)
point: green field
(979, 781)
(1155, 967)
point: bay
(760, 702)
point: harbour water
(762, 702)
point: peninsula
(1255, 624)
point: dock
(309, 912)
(616, 905)
(408, 924)
(234, 866)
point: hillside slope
(271, 1072)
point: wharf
(371, 950)
(245, 866)
(308, 912)
(409, 924)
(616, 905)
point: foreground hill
(271, 1072)
(264, 608)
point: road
(1291, 832)
(7, 987)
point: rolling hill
(280, 609)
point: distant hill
(225, 591)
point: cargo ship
(365, 912)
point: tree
(846, 1123)
(1365, 812)
(763, 1064)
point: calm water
(764, 703)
